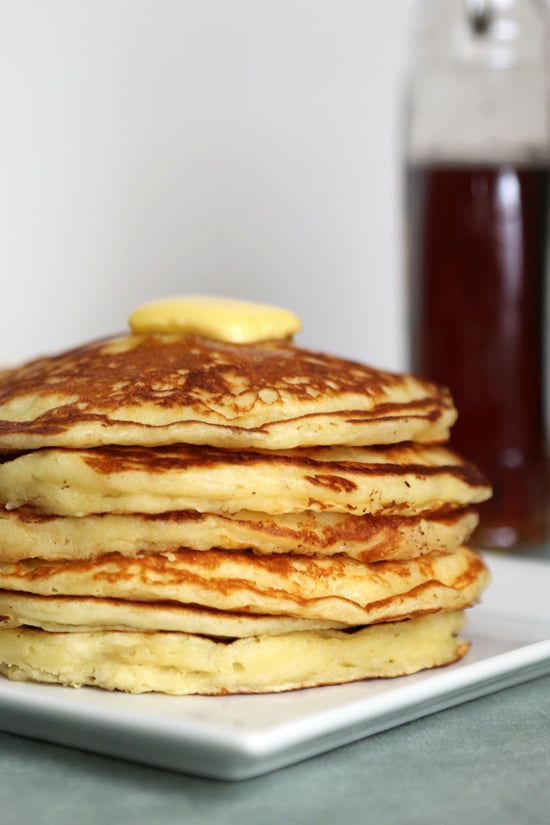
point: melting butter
(222, 319)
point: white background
(240, 147)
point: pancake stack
(184, 514)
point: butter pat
(222, 319)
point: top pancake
(163, 389)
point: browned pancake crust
(322, 464)
(190, 379)
(336, 588)
(26, 533)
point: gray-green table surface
(486, 761)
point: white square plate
(237, 737)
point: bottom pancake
(180, 663)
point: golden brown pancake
(184, 515)
(25, 533)
(180, 663)
(86, 613)
(165, 389)
(336, 588)
(404, 479)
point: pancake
(24, 533)
(83, 613)
(179, 663)
(336, 589)
(404, 479)
(202, 507)
(163, 389)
